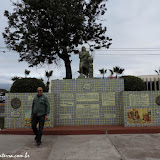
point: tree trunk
(68, 68)
(67, 63)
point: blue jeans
(35, 121)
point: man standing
(40, 111)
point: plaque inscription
(139, 100)
(30, 98)
(110, 115)
(108, 99)
(87, 111)
(87, 97)
(66, 99)
(65, 116)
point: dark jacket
(40, 105)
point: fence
(152, 84)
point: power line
(129, 54)
(114, 50)
(134, 48)
(99, 55)
(120, 49)
(128, 50)
(4, 51)
(109, 50)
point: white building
(152, 81)
(149, 77)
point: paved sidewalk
(83, 147)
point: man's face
(39, 91)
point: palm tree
(26, 72)
(48, 75)
(157, 71)
(103, 72)
(117, 70)
(111, 72)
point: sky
(133, 25)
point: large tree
(44, 30)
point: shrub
(132, 83)
(26, 85)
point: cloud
(133, 23)
(130, 23)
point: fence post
(150, 84)
(147, 83)
(155, 86)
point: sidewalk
(83, 147)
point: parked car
(2, 99)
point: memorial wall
(88, 101)
(141, 109)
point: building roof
(149, 77)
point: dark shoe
(35, 138)
(38, 144)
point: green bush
(27, 85)
(132, 83)
(2, 122)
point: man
(40, 111)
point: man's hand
(46, 117)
